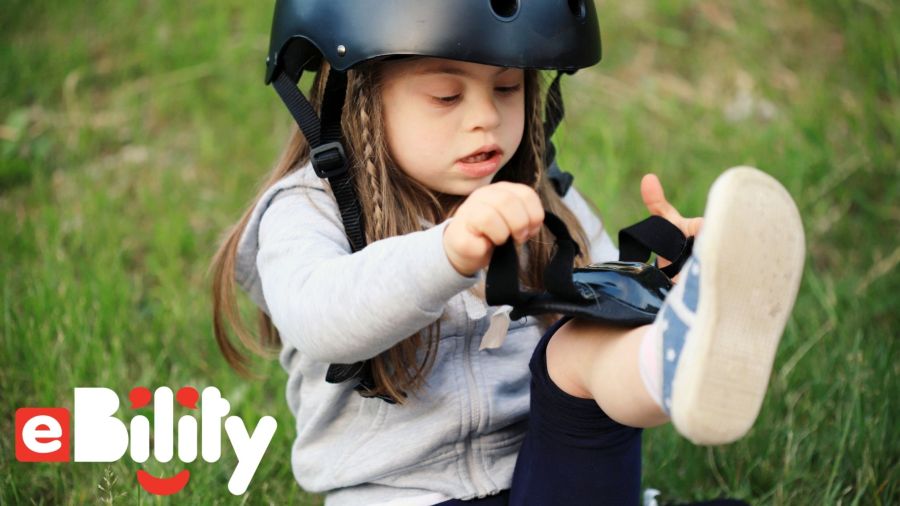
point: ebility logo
(42, 434)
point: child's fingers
(655, 199)
(529, 200)
(466, 249)
(532, 205)
(485, 220)
(512, 206)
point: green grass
(133, 133)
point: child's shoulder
(300, 194)
(300, 197)
(300, 187)
(301, 176)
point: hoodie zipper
(475, 404)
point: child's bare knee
(566, 353)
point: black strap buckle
(329, 160)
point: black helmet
(549, 34)
(560, 35)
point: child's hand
(487, 218)
(655, 200)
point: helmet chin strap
(326, 149)
(329, 161)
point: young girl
(433, 143)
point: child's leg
(716, 335)
(594, 361)
(573, 453)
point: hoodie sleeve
(602, 247)
(338, 307)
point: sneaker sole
(752, 252)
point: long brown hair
(393, 204)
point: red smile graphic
(140, 397)
(163, 486)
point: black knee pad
(626, 293)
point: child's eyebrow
(456, 71)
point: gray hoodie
(460, 435)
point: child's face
(439, 112)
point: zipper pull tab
(497, 330)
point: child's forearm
(340, 308)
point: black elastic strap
(655, 235)
(502, 281)
(558, 273)
(333, 105)
(501, 285)
(300, 108)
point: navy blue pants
(573, 453)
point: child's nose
(483, 112)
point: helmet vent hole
(505, 9)
(578, 8)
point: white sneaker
(722, 323)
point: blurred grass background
(133, 133)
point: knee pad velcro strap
(626, 293)
(655, 235)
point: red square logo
(42, 435)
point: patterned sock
(674, 318)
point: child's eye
(447, 100)
(509, 89)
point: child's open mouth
(480, 164)
(480, 157)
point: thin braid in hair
(537, 134)
(368, 159)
